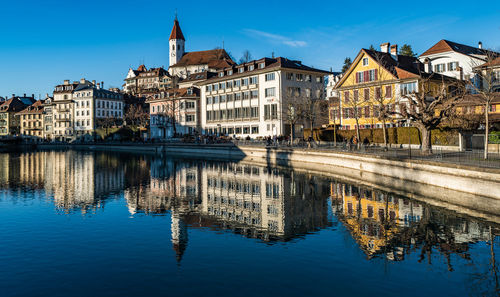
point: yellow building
(9, 121)
(31, 120)
(373, 86)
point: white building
(252, 99)
(92, 105)
(454, 59)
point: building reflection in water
(268, 204)
(74, 180)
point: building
(252, 99)
(62, 110)
(142, 80)
(9, 121)
(374, 85)
(489, 74)
(182, 63)
(95, 107)
(175, 112)
(454, 59)
(31, 121)
(79, 108)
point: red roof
(213, 58)
(176, 31)
(447, 46)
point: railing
(467, 158)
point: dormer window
(240, 70)
(262, 65)
(230, 72)
(251, 67)
(221, 74)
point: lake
(75, 223)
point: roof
(14, 104)
(447, 46)
(36, 107)
(270, 63)
(205, 57)
(495, 62)
(176, 31)
(175, 94)
(405, 67)
(199, 76)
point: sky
(45, 42)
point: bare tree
(314, 109)
(353, 109)
(430, 105)
(484, 85)
(136, 116)
(246, 57)
(292, 114)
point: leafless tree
(314, 109)
(137, 116)
(430, 105)
(484, 85)
(246, 57)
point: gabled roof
(204, 57)
(199, 76)
(495, 62)
(14, 104)
(176, 31)
(36, 107)
(404, 67)
(444, 46)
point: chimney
(66, 81)
(427, 65)
(98, 86)
(102, 84)
(24, 95)
(93, 82)
(394, 51)
(33, 96)
(480, 45)
(82, 80)
(46, 95)
(384, 47)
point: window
(222, 86)
(229, 84)
(241, 70)
(270, 76)
(269, 92)
(452, 66)
(388, 91)
(408, 88)
(355, 95)
(367, 111)
(255, 130)
(274, 111)
(251, 67)
(378, 93)
(216, 100)
(346, 96)
(300, 77)
(190, 118)
(365, 61)
(319, 79)
(267, 112)
(208, 88)
(262, 65)
(230, 97)
(439, 68)
(237, 83)
(237, 96)
(222, 98)
(366, 76)
(367, 94)
(244, 82)
(254, 94)
(289, 76)
(246, 95)
(253, 80)
(209, 101)
(246, 130)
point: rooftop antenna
(222, 43)
(272, 55)
(176, 14)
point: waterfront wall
(482, 182)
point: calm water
(100, 224)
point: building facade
(175, 112)
(142, 80)
(252, 99)
(9, 120)
(31, 121)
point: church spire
(176, 30)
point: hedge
(397, 135)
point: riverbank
(484, 182)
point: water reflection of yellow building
(373, 217)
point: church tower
(176, 43)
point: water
(103, 224)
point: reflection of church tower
(176, 44)
(179, 235)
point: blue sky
(44, 42)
